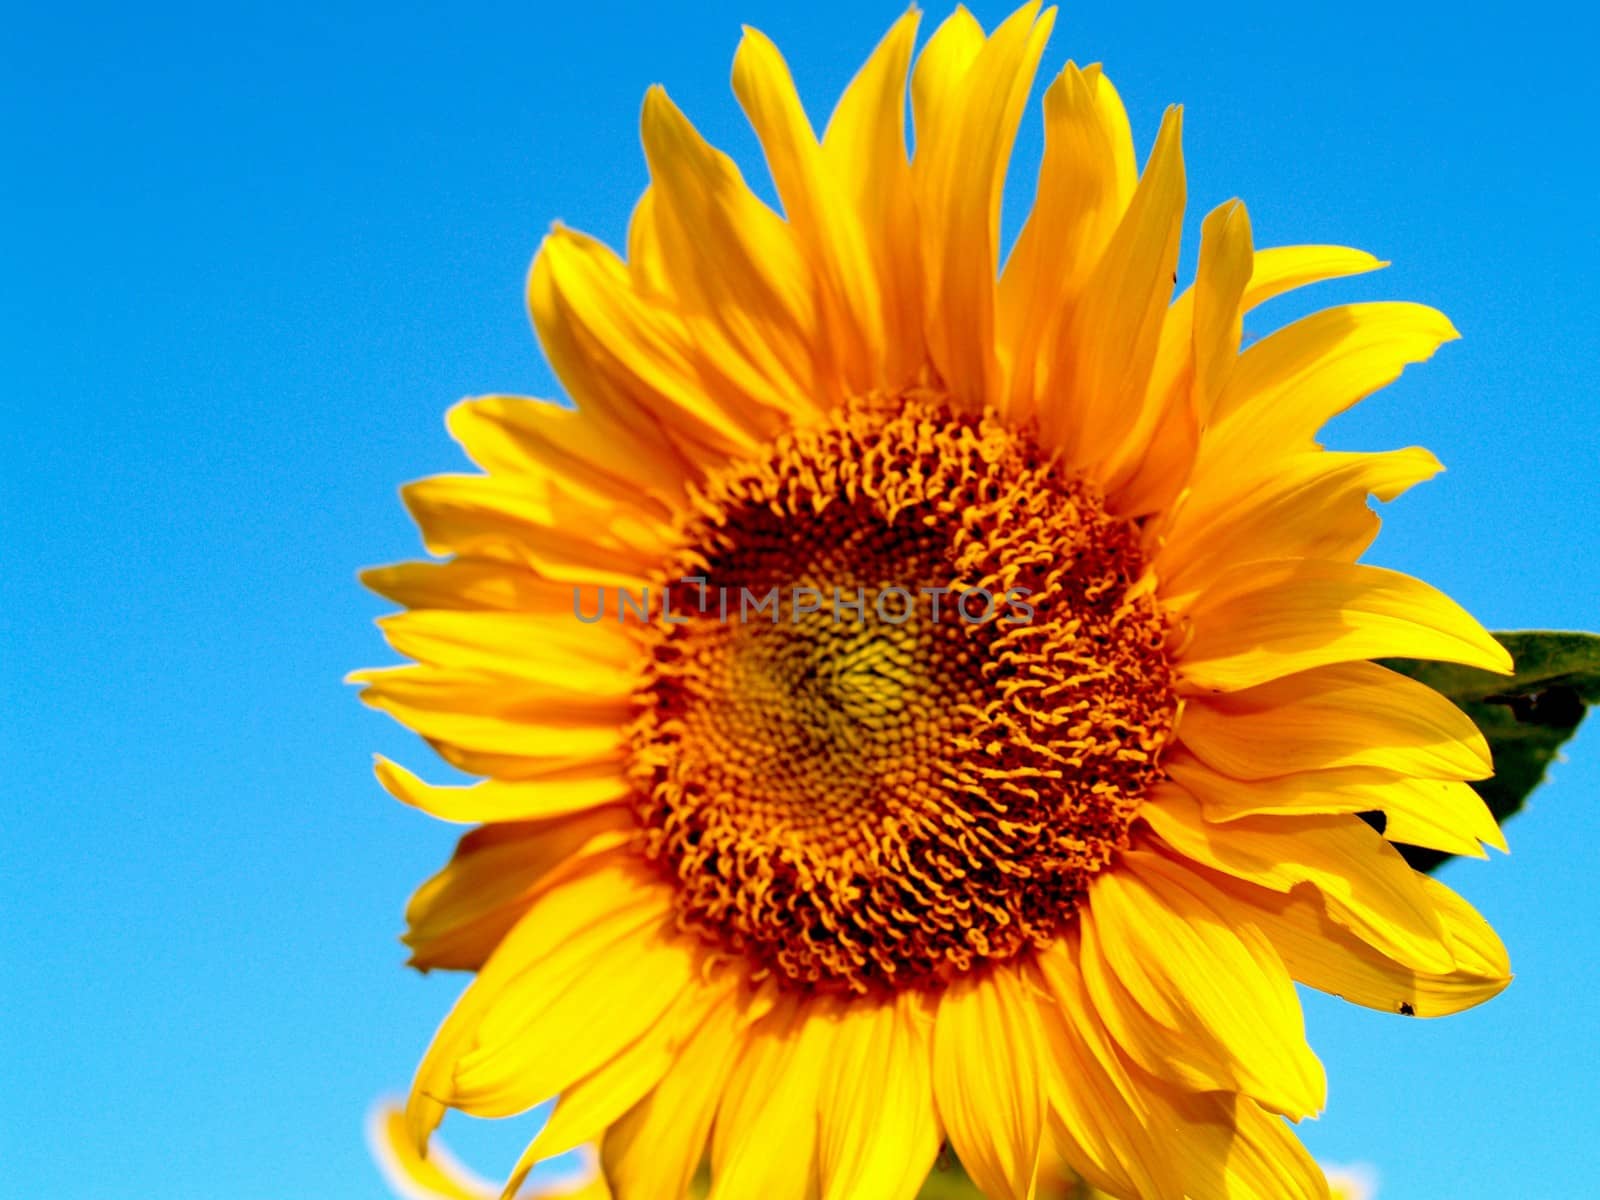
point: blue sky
(252, 253)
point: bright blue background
(252, 252)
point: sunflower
(778, 864)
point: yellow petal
(1148, 478)
(1100, 1115)
(1364, 882)
(497, 516)
(594, 1103)
(437, 1177)
(568, 931)
(553, 648)
(513, 435)
(1174, 1055)
(638, 366)
(572, 789)
(1219, 288)
(1101, 362)
(1220, 989)
(654, 1150)
(554, 1029)
(457, 918)
(1323, 953)
(646, 267)
(440, 1177)
(1281, 269)
(1194, 359)
(865, 149)
(478, 515)
(464, 713)
(987, 1082)
(1328, 361)
(1261, 621)
(464, 584)
(1313, 505)
(1443, 814)
(1227, 1148)
(1474, 945)
(764, 1142)
(1346, 715)
(818, 209)
(969, 97)
(879, 1134)
(740, 275)
(1085, 182)
(1350, 1183)
(1285, 387)
(535, 758)
(561, 1012)
(936, 82)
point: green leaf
(1525, 717)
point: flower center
(912, 708)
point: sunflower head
(921, 701)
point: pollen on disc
(869, 795)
